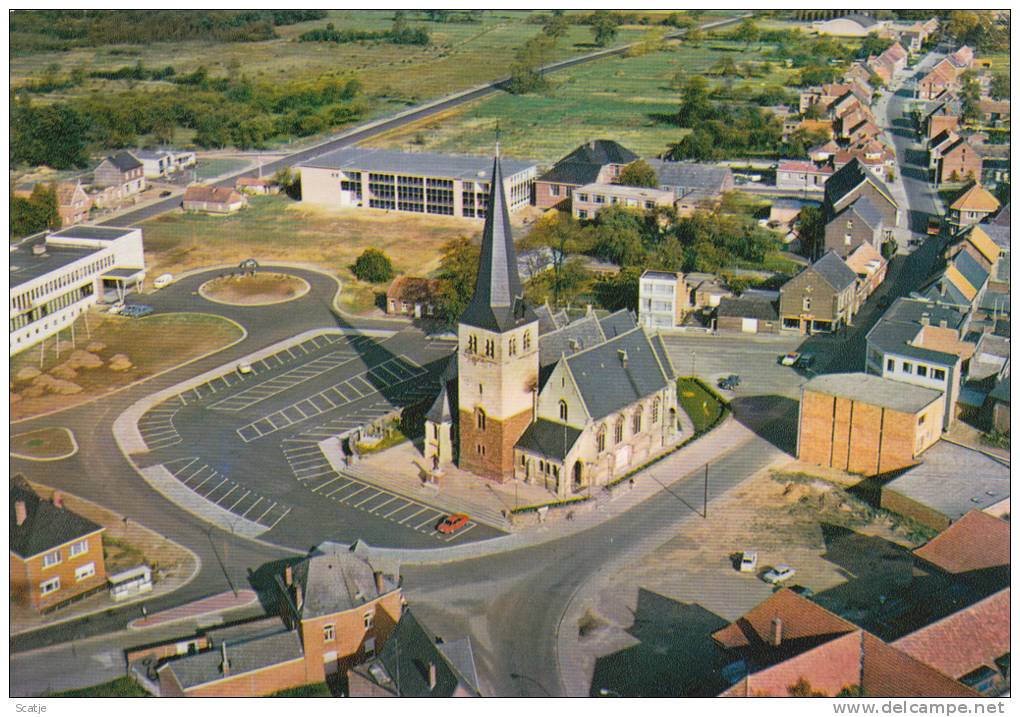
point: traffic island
(259, 289)
(45, 444)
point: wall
(256, 683)
(33, 573)
(910, 508)
(545, 199)
(860, 233)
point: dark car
(805, 361)
(934, 226)
(883, 302)
(136, 311)
(165, 194)
(729, 382)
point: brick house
(957, 161)
(599, 161)
(747, 314)
(853, 181)
(864, 424)
(972, 207)
(938, 82)
(588, 200)
(73, 203)
(789, 643)
(821, 298)
(858, 223)
(337, 611)
(800, 175)
(412, 296)
(56, 554)
(213, 200)
(121, 170)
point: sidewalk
(200, 608)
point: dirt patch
(44, 444)
(260, 289)
(122, 351)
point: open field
(119, 351)
(627, 99)
(121, 687)
(209, 168)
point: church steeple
(498, 302)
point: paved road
(376, 127)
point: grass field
(626, 99)
(319, 689)
(44, 443)
(209, 168)
(699, 403)
(121, 687)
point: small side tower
(439, 432)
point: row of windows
(490, 345)
(921, 370)
(329, 630)
(51, 307)
(628, 201)
(23, 301)
(51, 585)
(618, 428)
(54, 558)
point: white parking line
(211, 475)
(266, 512)
(252, 506)
(418, 512)
(329, 482)
(462, 531)
(430, 520)
(275, 522)
(216, 488)
(232, 489)
(231, 508)
(370, 498)
(397, 510)
(364, 487)
(174, 473)
(386, 502)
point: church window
(473, 344)
(636, 422)
(490, 348)
(527, 340)
(512, 350)
(480, 417)
(655, 410)
(600, 439)
(435, 431)
(618, 437)
(563, 410)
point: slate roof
(659, 346)
(244, 654)
(865, 209)
(1003, 217)
(582, 334)
(333, 580)
(440, 412)
(747, 308)
(606, 385)
(976, 541)
(402, 667)
(684, 177)
(860, 19)
(850, 176)
(834, 270)
(901, 325)
(1001, 391)
(124, 161)
(988, 239)
(582, 166)
(549, 439)
(46, 526)
(965, 640)
(547, 320)
(619, 322)
(497, 303)
(874, 390)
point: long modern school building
(53, 280)
(426, 183)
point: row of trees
(34, 213)
(400, 34)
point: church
(532, 396)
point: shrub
(373, 266)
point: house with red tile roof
(788, 645)
(969, 645)
(976, 543)
(940, 80)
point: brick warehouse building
(865, 424)
(56, 555)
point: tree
(970, 96)
(803, 688)
(556, 26)
(603, 27)
(876, 81)
(373, 266)
(872, 44)
(34, 213)
(562, 234)
(525, 72)
(619, 291)
(289, 182)
(639, 174)
(747, 31)
(458, 271)
(811, 229)
(1000, 86)
(51, 135)
(694, 102)
(618, 236)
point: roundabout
(261, 289)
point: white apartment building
(158, 163)
(662, 299)
(54, 279)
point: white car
(244, 368)
(748, 561)
(116, 308)
(790, 359)
(779, 574)
(163, 280)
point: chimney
(776, 636)
(432, 676)
(380, 588)
(288, 576)
(20, 512)
(925, 319)
(299, 599)
(58, 499)
(623, 357)
(224, 662)
(944, 323)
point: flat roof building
(425, 183)
(54, 279)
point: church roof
(440, 411)
(498, 300)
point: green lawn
(627, 99)
(209, 168)
(700, 403)
(317, 690)
(121, 687)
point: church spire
(498, 301)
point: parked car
(453, 523)
(244, 368)
(729, 382)
(748, 561)
(934, 226)
(136, 311)
(115, 308)
(163, 280)
(165, 194)
(790, 359)
(805, 361)
(779, 574)
(802, 590)
(883, 302)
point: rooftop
(46, 526)
(25, 266)
(549, 439)
(87, 231)
(977, 541)
(334, 580)
(954, 480)
(244, 654)
(421, 164)
(622, 190)
(874, 390)
(749, 307)
(582, 166)
(976, 199)
(684, 177)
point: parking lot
(247, 440)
